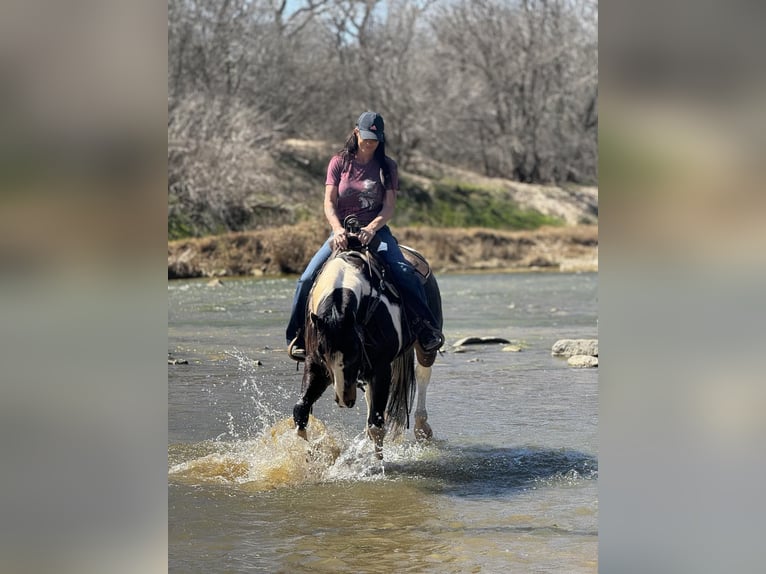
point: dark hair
(352, 146)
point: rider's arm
(331, 213)
(386, 212)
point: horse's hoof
(303, 434)
(377, 434)
(424, 434)
(423, 430)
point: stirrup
(296, 353)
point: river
(508, 483)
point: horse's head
(339, 345)
(333, 335)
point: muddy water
(509, 483)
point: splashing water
(279, 457)
(265, 451)
(257, 414)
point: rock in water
(571, 347)
(582, 361)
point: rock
(172, 361)
(215, 283)
(512, 348)
(479, 341)
(582, 361)
(571, 347)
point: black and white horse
(357, 335)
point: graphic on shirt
(368, 195)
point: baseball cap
(370, 125)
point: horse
(357, 335)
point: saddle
(378, 269)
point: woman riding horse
(363, 181)
(357, 334)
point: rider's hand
(366, 234)
(339, 238)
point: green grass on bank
(458, 204)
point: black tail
(402, 392)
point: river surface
(508, 483)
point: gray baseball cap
(370, 126)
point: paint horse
(357, 335)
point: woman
(363, 181)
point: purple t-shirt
(360, 189)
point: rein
(374, 298)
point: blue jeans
(404, 277)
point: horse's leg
(374, 433)
(422, 428)
(377, 398)
(315, 381)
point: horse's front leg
(315, 381)
(377, 398)
(422, 428)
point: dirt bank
(287, 250)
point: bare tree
(241, 74)
(382, 58)
(522, 69)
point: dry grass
(485, 249)
(287, 250)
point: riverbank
(287, 250)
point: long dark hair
(348, 152)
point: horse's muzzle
(349, 396)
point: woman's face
(365, 146)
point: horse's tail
(402, 392)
